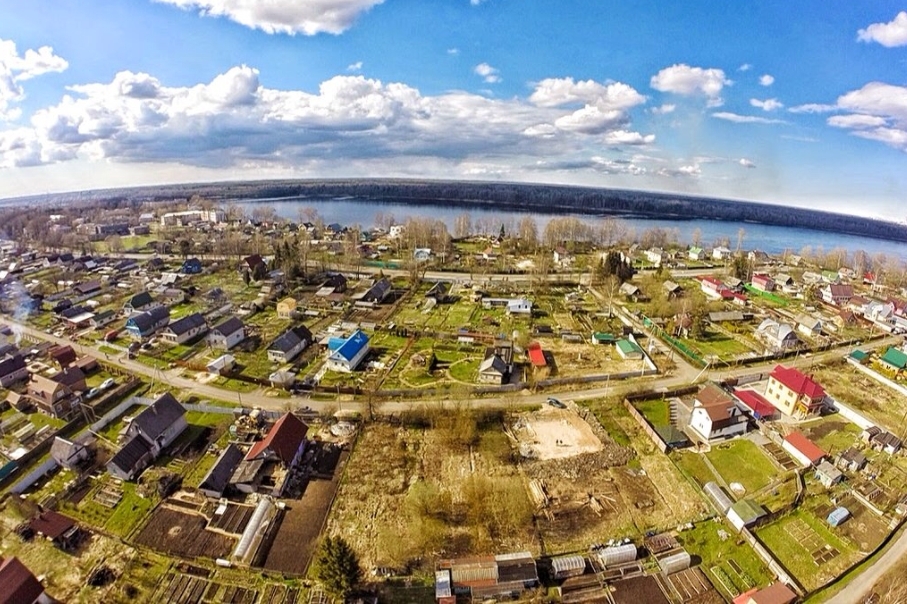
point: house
(776, 593)
(282, 378)
(12, 370)
(519, 306)
(562, 257)
(57, 528)
(811, 278)
(695, 253)
(837, 294)
(223, 364)
(289, 344)
(655, 256)
(284, 442)
(149, 433)
(440, 292)
(286, 308)
(802, 449)
(173, 296)
(721, 253)
(885, 441)
(745, 512)
(422, 254)
(711, 287)
(794, 393)
(673, 290)
(19, 584)
(350, 353)
(192, 266)
(763, 282)
(827, 474)
(253, 262)
(77, 317)
(148, 323)
(216, 480)
(894, 359)
(809, 326)
(227, 334)
(537, 359)
(776, 336)
(628, 349)
(845, 318)
(51, 397)
(185, 329)
(140, 302)
(756, 404)
(716, 415)
(733, 316)
(785, 282)
(758, 257)
(102, 319)
(378, 292)
(88, 289)
(851, 460)
(492, 369)
(68, 453)
(71, 377)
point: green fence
(768, 296)
(673, 342)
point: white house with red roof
(803, 450)
(763, 282)
(794, 393)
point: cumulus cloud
(16, 68)
(664, 109)
(767, 104)
(890, 35)
(489, 74)
(688, 81)
(745, 119)
(555, 92)
(233, 121)
(453, 51)
(283, 16)
(766, 80)
(745, 67)
(877, 111)
(357, 66)
(746, 163)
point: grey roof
(218, 477)
(291, 338)
(62, 449)
(493, 363)
(140, 299)
(103, 315)
(159, 416)
(246, 471)
(146, 320)
(229, 326)
(378, 291)
(87, 288)
(128, 458)
(11, 365)
(187, 324)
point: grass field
(692, 465)
(744, 462)
(717, 544)
(657, 411)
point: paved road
(862, 584)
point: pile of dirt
(579, 466)
(596, 426)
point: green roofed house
(629, 350)
(603, 338)
(859, 356)
(894, 359)
(745, 513)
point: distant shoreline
(522, 197)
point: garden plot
(692, 587)
(184, 534)
(189, 589)
(552, 433)
(581, 359)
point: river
(771, 239)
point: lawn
(657, 411)
(832, 433)
(608, 414)
(716, 344)
(744, 462)
(465, 370)
(794, 554)
(717, 545)
(692, 465)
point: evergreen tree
(338, 566)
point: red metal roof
(537, 357)
(805, 446)
(755, 401)
(798, 382)
(51, 524)
(283, 439)
(19, 584)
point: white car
(106, 384)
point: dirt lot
(176, 532)
(578, 359)
(638, 589)
(552, 433)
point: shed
(802, 449)
(629, 350)
(217, 479)
(563, 567)
(718, 496)
(675, 562)
(745, 513)
(443, 589)
(838, 516)
(828, 475)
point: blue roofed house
(146, 324)
(349, 354)
(191, 266)
(289, 344)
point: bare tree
(463, 226)
(528, 233)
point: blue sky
(748, 100)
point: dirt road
(860, 587)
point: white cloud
(812, 108)
(890, 35)
(766, 80)
(453, 51)
(592, 120)
(488, 73)
(767, 104)
(357, 66)
(664, 109)
(555, 92)
(625, 137)
(16, 68)
(476, 2)
(687, 81)
(745, 119)
(745, 67)
(878, 111)
(308, 17)
(746, 163)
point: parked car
(556, 403)
(107, 384)
(92, 393)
